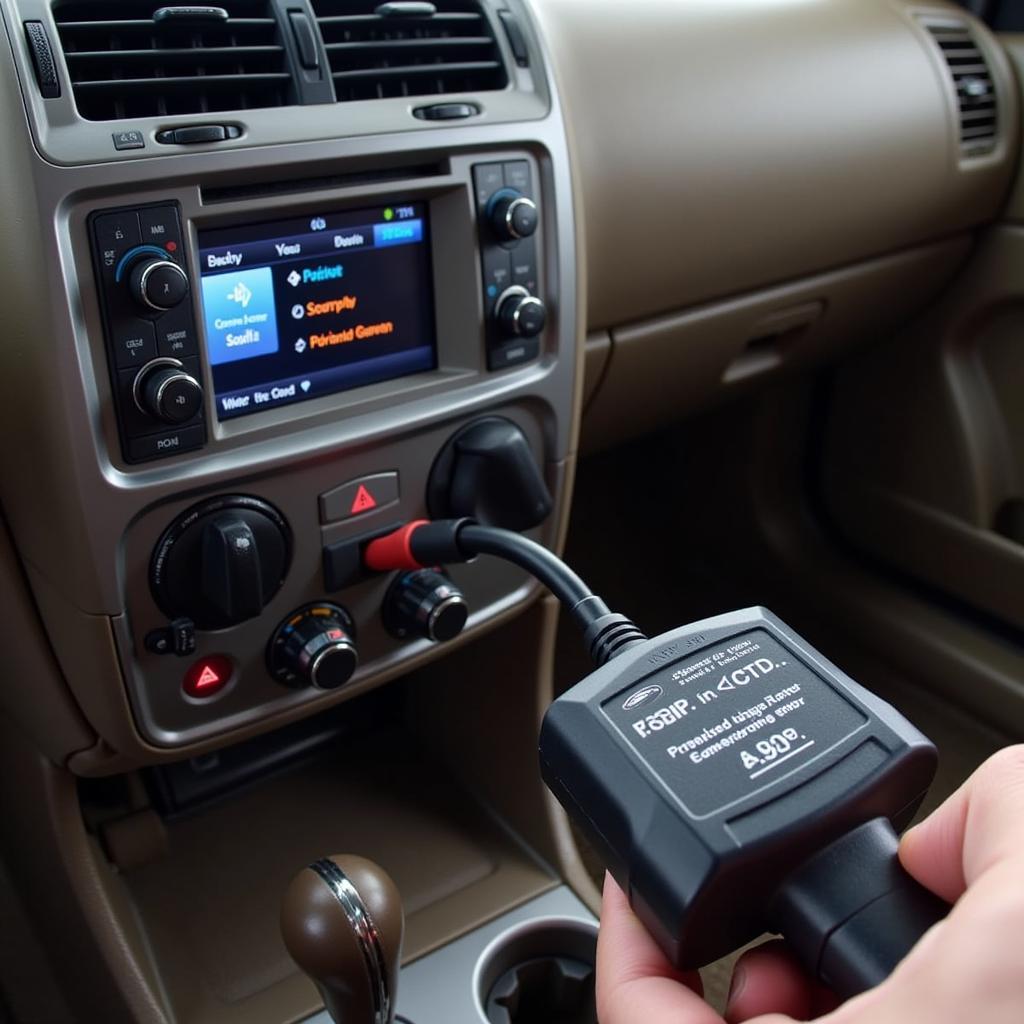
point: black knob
(314, 646)
(487, 471)
(167, 392)
(512, 215)
(520, 314)
(157, 283)
(425, 603)
(221, 562)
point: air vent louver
(375, 55)
(124, 64)
(972, 79)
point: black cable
(528, 555)
(446, 541)
(605, 632)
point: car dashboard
(270, 264)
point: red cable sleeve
(393, 551)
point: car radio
(299, 307)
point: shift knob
(342, 923)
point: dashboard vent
(127, 59)
(379, 50)
(972, 79)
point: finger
(978, 827)
(768, 979)
(634, 980)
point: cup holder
(540, 972)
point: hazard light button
(359, 497)
(208, 676)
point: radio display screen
(306, 307)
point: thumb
(979, 826)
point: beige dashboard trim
(725, 145)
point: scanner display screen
(306, 307)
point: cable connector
(420, 544)
(606, 633)
(423, 544)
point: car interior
(717, 299)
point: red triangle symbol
(207, 678)
(363, 502)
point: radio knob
(167, 392)
(158, 284)
(520, 314)
(314, 647)
(512, 215)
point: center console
(243, 339)
(255, 357)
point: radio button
(172, 442)
(159, 226)
(524, 265)
(513, 354)
(133, 343)
(517, 176)
(497, 269)
(116, 233)
(175, 334)
(487, 179)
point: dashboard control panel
(327, 362)
(508, 218)
(288, 309)
(151, 338)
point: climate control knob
(512, 215)
(157, 284)
(221, 562)
(424, 603)
(167, 392)
(314, 646)
(520, 314)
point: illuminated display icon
(241, 320)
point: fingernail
(739, 980)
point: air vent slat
(171, 82)
(124, 66)
(972, 82)
(409, 44)
(374, 56)
(363, 20)
(108, 25)
(195, 51)
(416, 69)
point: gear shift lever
(342, 923)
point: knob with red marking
(314, 646)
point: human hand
(968, 967)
